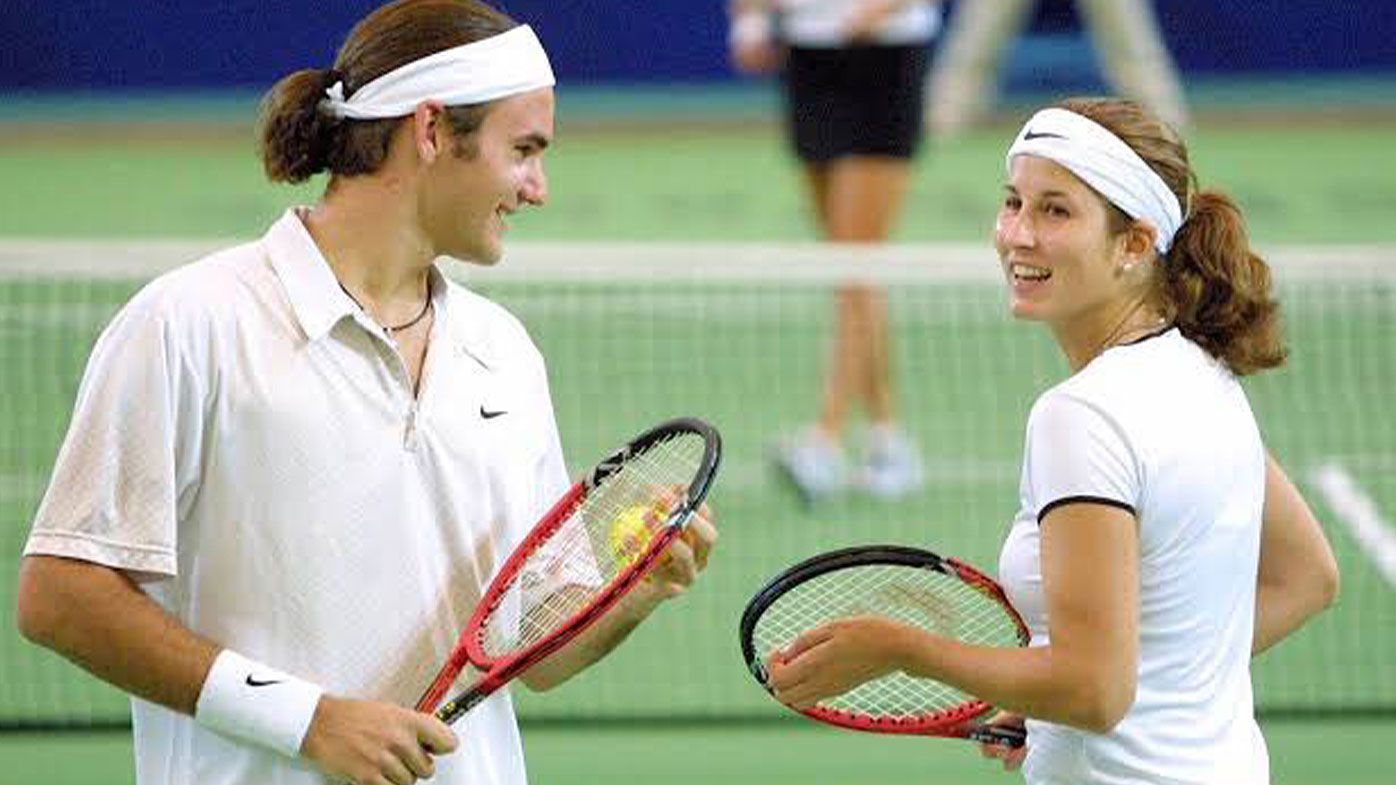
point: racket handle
(456, 707)
(1002, 735)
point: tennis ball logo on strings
(631, 531)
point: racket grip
(456, 707)
(1002, 735)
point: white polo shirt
(1160, 428)
(246, 443)
(821, 24)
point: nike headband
(1106, 164)
(496, 67)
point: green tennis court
(769, 754)
(649, 216)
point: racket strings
(922, 598)
(566, 573)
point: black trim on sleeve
(1052, 505)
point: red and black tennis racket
(911, 586)
(600, 539)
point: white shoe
(813, 464)
(891, 466)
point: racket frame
(954, 722)
(498, 671)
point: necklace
(1139, 333)
(426, 307)
(1122, 335)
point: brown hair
(1212, 285)
(297, 140)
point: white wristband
(249, 701)
(750, 27)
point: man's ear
(430, 131)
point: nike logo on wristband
(252, 682)
(1031, 135)
(489, 415)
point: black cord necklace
(426, 307)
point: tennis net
(737, 334)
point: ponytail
(296, 140)
(1219, 290)
(294, 137)
(1212, 285)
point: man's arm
(685, 559)
(97, 617)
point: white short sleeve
(130, 453)
(1077, 452)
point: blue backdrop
(81, 44)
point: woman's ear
(1138, 246)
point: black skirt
(858, 100)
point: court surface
(1302, 187)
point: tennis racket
(908, 585)
(575, 564)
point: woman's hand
(833, 659)
(1012, 757)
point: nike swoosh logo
(1031, 135)
(251, 682)
(489, 415)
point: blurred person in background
(281, 496)
(1158, 547)
(854, 74)
(964, 79)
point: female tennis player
(1157, 547)
(853, 73)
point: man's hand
(374, 743)
(685, 557)
(678, 567)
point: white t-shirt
(1162, 429)
(245, 442)
(822, 23)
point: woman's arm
(751, 37)
(1085, 677)
(1298, 575)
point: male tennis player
(293, 465)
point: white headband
(1106, 164)
(496, 67)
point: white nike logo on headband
(1104, 162)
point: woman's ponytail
(1219, 289)
(1211, 285)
